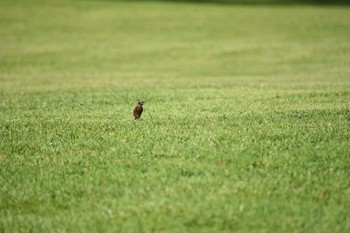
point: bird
(138, 110)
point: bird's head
(141, 102)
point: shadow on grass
(256, 2)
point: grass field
(246, 125)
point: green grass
(246, 125)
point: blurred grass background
(246, 122)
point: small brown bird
(138, 110)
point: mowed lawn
(246, 126)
